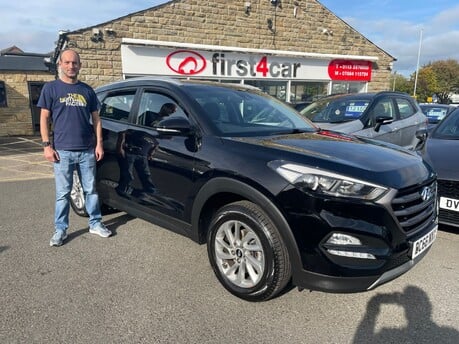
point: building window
(348, 87)
(2, 94)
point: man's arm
(98, 131)
(48, 151)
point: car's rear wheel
(77, 196)
(247, 253)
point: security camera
(248, 7)
(275, 2)
(96, 35)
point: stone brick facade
(16, 118)
(308, 27)
(225, 23)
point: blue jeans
(84, 162)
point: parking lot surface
(148, 285)
(21, 158)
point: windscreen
(335, 110)
(242, 112)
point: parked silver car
(387, 116)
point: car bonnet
(358, 158)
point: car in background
(387, 116)
(440, 151)
(276, 199)
(435, 112)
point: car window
(245, 112)
(449, 127)
(435, 111)
(405, 108)
(336, 110)
(382, 108)
(117, 106)
(155, 106)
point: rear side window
(117, 106)
(405, 108)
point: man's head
(69, 65)
(167, 109)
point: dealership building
(294, 50)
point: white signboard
(186, 62)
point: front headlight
(328, 183)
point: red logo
(186, 62)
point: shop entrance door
(34, 93)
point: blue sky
(393, 25)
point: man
(166, 110)
(71, 105)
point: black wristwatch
(46, 143)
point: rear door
(410, 120)
(115, 112)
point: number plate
(449, 203)
(424, 243)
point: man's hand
(99, 152)
(50, 154)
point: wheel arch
(222, 190)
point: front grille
(412, 211)
(449, 189)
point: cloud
(401, 38)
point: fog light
(343, 239)
(361, 255)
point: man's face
(70, 64)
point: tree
(427, 84)
(399, 83)
(447, 74)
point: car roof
(167, 82)
(363, 95)
(435, 105)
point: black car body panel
(180, 173)
(438, 151)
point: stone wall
(314, 29)
(16, 118)
(220, 22)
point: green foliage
(440, 78)
(447, 73)
(400, 83)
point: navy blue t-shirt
(71, 106)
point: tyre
(77, 196)
(247, 253)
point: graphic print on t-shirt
(73, 99)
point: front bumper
(344, 284)
(384, 250)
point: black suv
(275, 198)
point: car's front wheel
(247, 253)
(77, 196)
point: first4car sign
(149, 60)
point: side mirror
(178, 126)
(381, 120)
